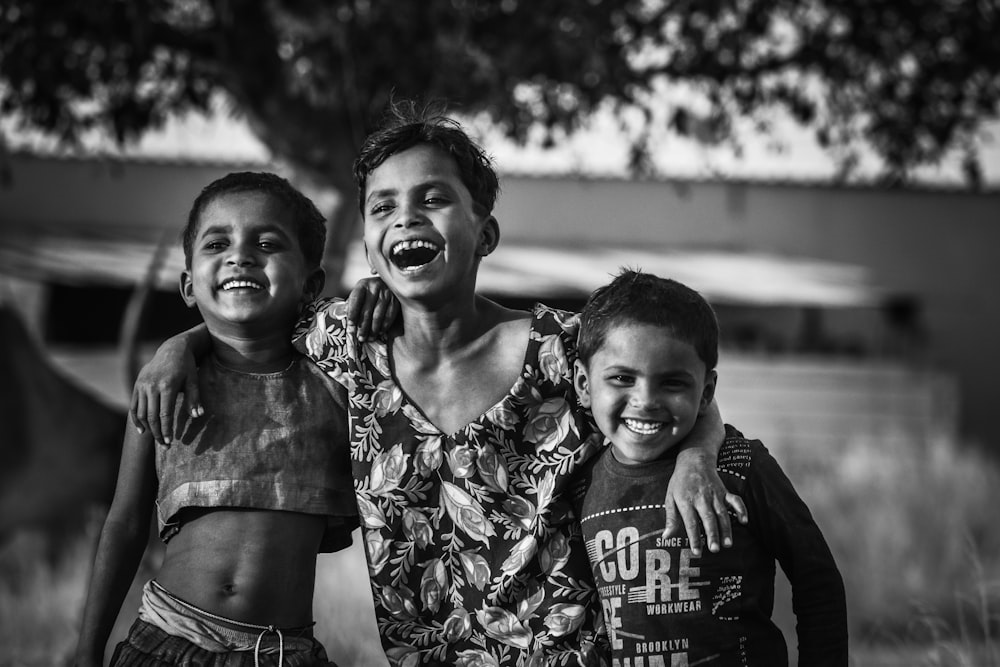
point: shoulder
(553, 320)
(335, 391)
(321, 313)
(552, 346)
(322, 331)
(741, 456)
(585, 476)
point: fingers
(355, 302)
(192, 395)
(722, 516)
(736, 504)
(363, 306)
(692, 526)
(153, 412)
(137, 411)
(166, 414)
(392, 311)
(706, 520)
(673, 520)
(380, 314)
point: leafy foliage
(911, 78)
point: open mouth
(411, 255)
(643, 426)
(240, 284)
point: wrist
(696, 455)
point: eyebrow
(262, 229)
(435, 182)
(619, 368)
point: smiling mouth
(411, 255)
(644, 426)
(241, 283)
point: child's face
(248, 274)
(422, 234)
(645, 389)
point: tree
(912, 79)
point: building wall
(940, 246)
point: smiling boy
(647, 354)
(252, 489)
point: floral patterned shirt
(474, 551)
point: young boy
(647, 354)
(252, 490)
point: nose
(408, 214)
(241, 254)
(644, 396)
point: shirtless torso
(246, 565)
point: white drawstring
(281, 646)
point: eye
(270, 244)
(436, 200)
(675, 384)
(214, 244)
(621, 380)
(381, 208)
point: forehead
(246, 209)
(412, 167)
(651, 346)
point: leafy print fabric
(474, 552)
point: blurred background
(826, 173)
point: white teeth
(236, 284)
(413, 245)
(642, 426)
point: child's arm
(818, 598)
(695, 493)
(119, 551)
(172, 371)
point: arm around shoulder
(172, 371)
(696, 496)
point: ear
(489, 236)
(313, 285)
(187, 289)
(581, 383)
(708, 393)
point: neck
(254, 355)
(437, 331)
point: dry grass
(913, 529)
(40, 601)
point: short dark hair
(406, 125)
(647, 299)
(310, 225)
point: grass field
(913, 526)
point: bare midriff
(252, 566)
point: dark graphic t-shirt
(665, 607)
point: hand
(171, 372)
(696, 497)
(372, 308)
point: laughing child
(255, 487)
(647, 353)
